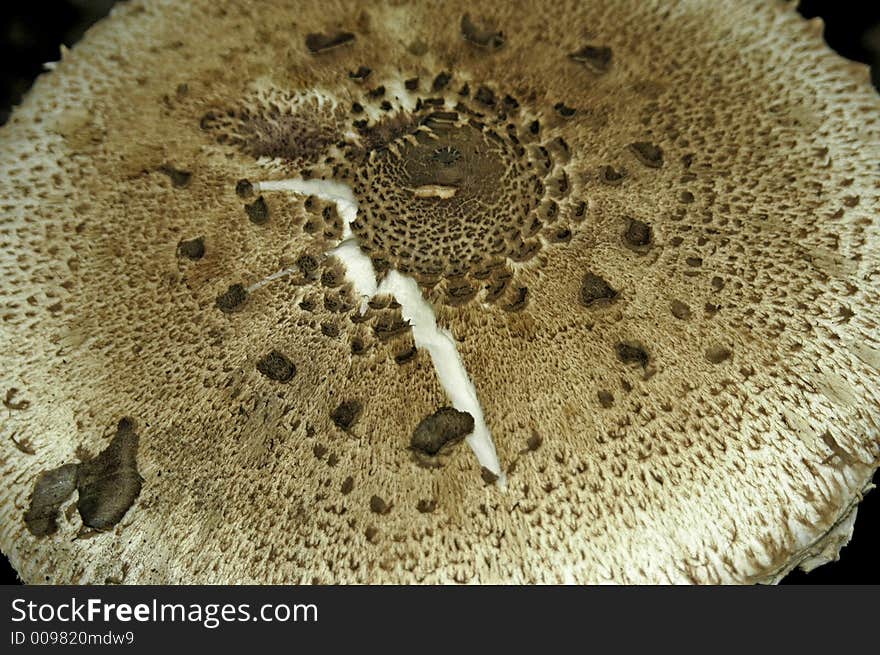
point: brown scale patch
(484, 34)
(426, 506)
(717, 354)
(110, 483)
(51, 490)
(107, 484)
(192, 248)
(680, 310)
(606, 398)
(277, 124)
(322, 42)
(276, 366)
(647, 153)
(244, 189)
(257, 211)
(346, 414)
(596, 58)
(638, 235)
(632, 353)
(611, 176)
(179, 178)
(444, 427)
(379, 505)
(596, 292)
(232, 299)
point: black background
(30, 34)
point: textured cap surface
(652, 228)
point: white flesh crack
(439, 343)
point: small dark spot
(317, 43)
(509, 102)
(378, 92)
(51, 489)
(385, 106)
(694, 261)
(686, 197)
(307, 265)
(534, 442)
(258, 211)
(192, 248)
(23, 445)
(718, 354)
(596, 290)
(485, 96)
(319, 451)
(232, 299)
(638, 234)
(441, 81)
(465, 90)
(207, 120)
(417, 48)
(347, 486)
(379, 506)
(717, 283)
(445, 426)
(329, 330)
(11, 404)
(647, 153)
(276, 366)
(411, 84)
(488, 476)
(534, 127)
(606, 398)
(426, 506)
(109, 483)
(611, 176)
(406, 356)
(520, 301)
(596, 58)
(564, 110)
(562, 235)
(332, 277)
(483, 36)
(361, 73)
(244, 189)
(346, 414)
(179, 179)
(680, 310)
(357, 108)
(371, 533)
(632, 353)
(333, 459)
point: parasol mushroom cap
(651, 230)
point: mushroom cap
(652, 228)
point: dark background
(31, 32)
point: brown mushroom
(682, 389)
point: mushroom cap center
(452, 196)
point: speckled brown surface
(715, 419)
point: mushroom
(587, 295)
